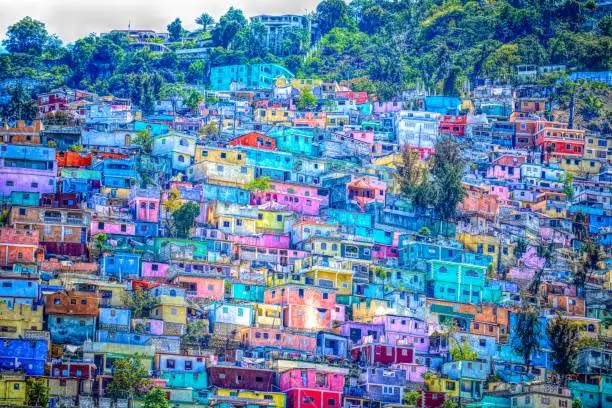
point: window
(123, 228)
(100, 225)
(188, 365)
(16, 386)
(301, 293)
(34, 185)
(22, 211)
(170, 363)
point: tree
(563, 339)
(184, 218)
(257, 185)
(194, 100)
(156, 398)
(21, 105)
(414, 179)
(527, 332)
(448, 170)
(463, 352)
(411, 397)
(568, 185)
(333, 13)
(144, 139)
(210, 130)
(577, 403)
(27, 36)
(140, 302)
(228, 26)
(591, 257)
(373, 19)
(175, 30)
(592, 107)
(129, 377)
(37, 393)
(174, 93)
(58, 118)
(173, 201)
(205, 20)
(307, 100)
(450, 403)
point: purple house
(405, 330)
(356, 331)
(27, 168)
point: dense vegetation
(383, 46)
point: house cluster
(305, 279)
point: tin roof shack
(245, 378)
(72, 316)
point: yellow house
(369, 308)
(274, 116)
(218, 155)
(488, 245)
(12, 389)
(328, 273)
(232, 218)
(14, 321)
(112, 294)
(305, 83)
(279, 279)
(277, 398)
(328, 246)
(445, 385)
(229, 174)
(390, 160)
(116, 193)
(269, 221)
(598, 147)
(337, 119)
(171, 309)
(581, 167)
(268, 315)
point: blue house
(270, 163)
(19, 290)
(66, 329)
(115, 318)
(226, 194)
(117, 173)
(146, 229)
(249, 76)
(29, 355)
(444, 105)
(121, 265)
(332, 345)
(248, 292)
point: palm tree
(205, 20)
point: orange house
(254, 139)
(22, 134)
(489, 320)
(480, 201)
(19, 246)
(72, 159)
(304, 307)
(366, 190)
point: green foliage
(140, 302)
(175, 30)
(156, 398)
(563, 339)
(411, 397)
(99, 240)
(129, 377)
(77, 148)
(27, 36)
(448, 170)
(450, 403)
(21, 106)
(331, 14)
(37, 393)
(58, 118)
(528, 328)
(194, 330)
(463, 352)
(193, 101)
(577, 403)
(568, 185)
(184, 217)
(228, 26)
(204, 20)
(307, 100)
(586, 342)
(258, 184)
(144, 139)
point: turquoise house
(248, 292)
(249, 76)
(456, 282)
(296, 141)
(444, 105)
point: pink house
(203, 287)
(311, 120)
(304, 307)
(506, 167)
(303, 199)
(149, 326)
(405, 330)
(338, 313)
(115, 227)
(264, 240)
(387, 107)
(502, 192)
(312, 388)
(144, 203)
(283, 339)
(155, 270)
(366, 190)
(384, 252)
(414, 371)
(362, 136)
